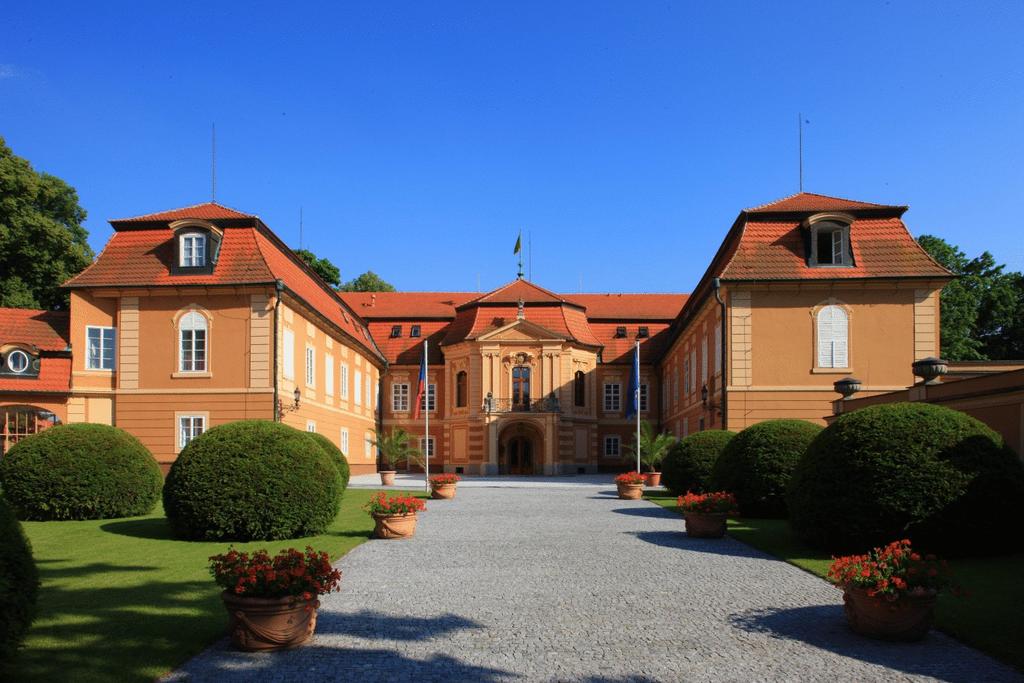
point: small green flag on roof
(519, 244)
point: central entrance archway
(520, 448)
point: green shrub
(252, 479)
(757, 463)
(914, 470)
(19, 584)
(687, 467)
(80, 471)
(336, 455)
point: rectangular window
(414, 331)
(99, 343)
(396, 331)
(358, 388)
(718, 348)
(310, 367)
(368, 445)
(675, 385)
(369, 393)
(288, 354)
(189, 427)
(686, 375)
(429, 400)
(620, 332)
(193, 250)
(311, 426)
(704, 360)
(344, 441)
(193, 351)
(344, 381)
(643, 398)
(399, 398)
(328, 375)
(611, 446)
(612, 397)
(427, 446)
(643, 332)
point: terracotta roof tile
(809, 201)
(631, 306)
(204, 211)
(516, 290)
(54, 377)
(406, 305)
(46, 330)
(620, 349)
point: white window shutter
(833, 329)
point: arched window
(579, 389)
(460, 389)
(833, 337)
(192, 337)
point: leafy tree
(981, 309)
(42, 241)
(327, 271)
(396, 447)
(367, 282)
(653, 447)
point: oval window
(17, 361)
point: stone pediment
(521, 330)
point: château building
(199, 316)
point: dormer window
(414, 331)
(193, 249)
(396, 331)
(620, 332)
(830, 244)
(643, 333)
(17, 361)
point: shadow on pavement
(378, 626)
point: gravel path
(572, 584)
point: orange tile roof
(620, 349)
(205, 211)
(519, 290)
(406, 350)
(809, 201)
(54, 377)
(46, 330)
(631, 306)
(406, 305)
(881, 247)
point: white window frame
(615, 441)
(358, 398)
(400, 397)
(186, 324)
(288, 354)
(328, 374)
(310, 366)
(832, 331)
(429, 398)
(427, 446)
(612, 397)
(645, 400)
(20, 354)
(102, 359)
(183, 438)
(343, 389)
(343, 441)
(311, 426)
(839, 235)
(193, 257)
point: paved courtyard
(564, 582)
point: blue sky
(622, 137)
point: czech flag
(422, 388)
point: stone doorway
(520, 450)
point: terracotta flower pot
(653, 479)
(259, 624)
(387, 477)
(705, 524)
(446, 491)
(908, 618)
(394, 526)
(630, 491)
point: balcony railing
(508, 405)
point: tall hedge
(889, 471)
(252, 479)
(80, 471)
(757, 463)
(19, 584)
(687, 466)
(340, 461)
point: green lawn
(123, 600)
(990, 618)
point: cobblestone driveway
(573, 584)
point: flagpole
(636, 403)
(426, 418)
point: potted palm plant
(395, 447)
(653, 449)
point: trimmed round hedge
(336, 455)
(757, 463)
(915, 470)
(19, 584)
(80, 471)
(687, 466)
(249, 480)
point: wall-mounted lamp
(296, 399)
